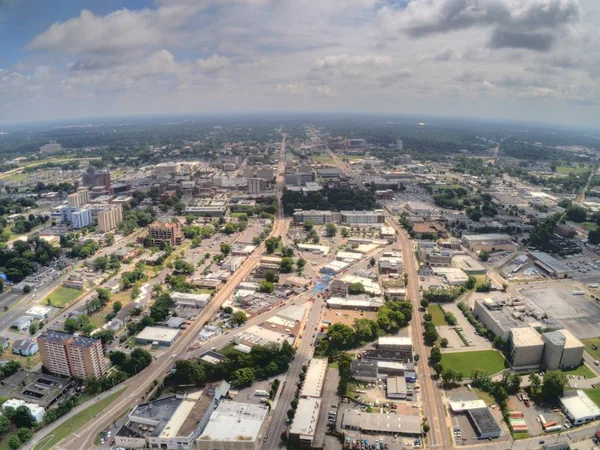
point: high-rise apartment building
(109, 219)
(161, 233)
(72, 355)
(80, 218)
(256, 185)
(96, 177)
(79, 198)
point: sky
(529, 60)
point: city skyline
(498, 59)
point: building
(551, 265)
(165, 233)
(355, 143)
(81, 218)
(579, 407)
(39, 312)
(36, 411)
(390, 264)
(233, 425)
(400, 146)
(72, 355)
(432, 255)
(22, 323)
(157, 336)
(78, 199)
(526, 348)
(396, 343)
(256, 335)
(484, 423)
(125, 253)
(313, 248)
(489, 242)
(316, 217)
(304, 425)
(340, 286)
(173, 422)
(377, 423)
(209, 331)
(206, 211)
(233, 263)
(190, 300)
(562, 350)
(405, 160)
(109, 219)
(52, 147)
(356, 303)
(257, 185)
(468, 265)
(362, 217)
(25, 347)
(396, 388)
(96, 177)
(453, 275)
(315, 378)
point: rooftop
(306, 418)
(487, 237)
(483, 420)
(233, 421)
(525, 337)
(396, 385)
(387, 423)
(394, 340)
(550, 261)
(579, 404)
(59, 336)
(158, 334)
(315, 378)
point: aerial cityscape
(366, 225)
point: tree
(576, 213)
(484, 255)
(424, 303)
(4, 425)
(103, 295)
(514, 383)
(431, 334)
(26, 289)
(330, 229)
(101, 263)
(266, 287)
(535, 387)
(426, 428)
(288, 251)
(14, 442)
(23, 418)
(106, 335)
(444, 342)
(109, 239)
(118, 358)
(356, 288)
(553, 386)
(308, 225)
(33, 328)
(225, 249)
(25, 434)
(436, 355)
(243, 377)
(271, 244)
(117, 306)
(345, 232)
(300, 264)
(470, 283)
(271, 276)
(286, 265)
(341, 336)
(71, 325)
(239, 318)
(183, 267)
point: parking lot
(583, 266)
(246, 395)
(531, 415)
(476, 342)
(578, 313)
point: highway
(138, 386)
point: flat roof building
(378, 423)
(304, 425)
(396, 388)
(399, 343)
(484, 423)
(315, 378)
(562, 350)
(159, 336)
(193, 300)
(233, 425)
(579, 407)
(554, 267)
(492, 242)
(526, 348)
(165, 233)
(356, 303)
(468, 265)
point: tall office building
(79, 198)
(80, 218)
(96, 177)
(256, 185)
(161, 233)
(399, 144)
(71, 355)
(109, 219)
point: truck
(261, 393)
(578, 292)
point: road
(581, 196)
(433, 406)
(138, 385)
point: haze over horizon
(534, 60)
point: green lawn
(99, 318)
(443, 187)
(523, 435)
(203, 291)
(582, 370)
(76, 422)
(574, 170)
(62, 296)
(437, 315)
(588, 347)
(594, 394)
(489, 360)
(323, 159)
(487, 398)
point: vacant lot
(437, 315)
(99, 318)
(347, 317)
(489, 360)
(62, 296)
(594, 394)
(323, 159)
(574, 170)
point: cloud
(529, 24)
(344, 61)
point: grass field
(565, 170)
(583, 371)
(27, 362)
(489, 360)
(437, 315)
(76, 422)
(523, 435)
(588, 347)
(443, 187)
(323, 159)
(62, 296)
(594, 394)
(98, 319)
(487, 398)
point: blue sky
(515, 59)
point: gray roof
(159, 410)
(59, 336)
(483, 420)
(23, 344)
(384, 423)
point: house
(125, 253)
(4, 341)
(22, 323)
(25, 347)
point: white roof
(356, 301)
(394, 340)
(348, 255)
(306, 418)
(158, 334)
(466, 405)
(579, 405)
(315, 378)
(234, 421)
(525, 337)
(15, 403)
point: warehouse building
(396, 388)
(562, 350)
(377, 423)
(554, 267)
(526, 348)
(184, 299)
(484, 423)
(304, 425)
(489, 242)
(396, 343)
(157, 336)
(468, 265)
(315, 378)
(579, 407)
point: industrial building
(340, 286)
(578, 407)
(489, 242)
(526, 348)
(396, 343)
(551, 265)
(372, 370)
(71, 355)
(157, 336)
(453, 275)
(396, 388)
(256, 335)
(233, 425)
(377, 423)
(356, 303)
(562, 350)
(468, 265)
(304, 425)
(165, 233)
(479, 415)
(315, 378)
